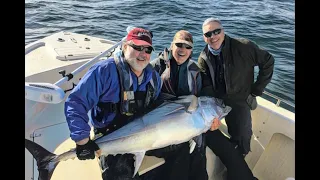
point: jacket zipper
(225, 72)
(211, 73)
(195, 84)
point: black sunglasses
(181, 45)
(141, 48)
(215, 32)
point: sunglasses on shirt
(148, 49)
(215, 32)
(181, 45)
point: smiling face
(216, 38)
(180, 54)
(137, 60)
(182, 46)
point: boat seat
(215, 168)
(277, 162)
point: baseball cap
(140, 37)
(183, 36)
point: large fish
(173, 122)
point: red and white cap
(140, 37)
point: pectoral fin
(199, 140)
(138, 160)
(102, 163)
(192, 145)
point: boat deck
(273, 148)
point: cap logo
(143, 34)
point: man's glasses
(215, 32)
(181, 45)
(148, 49)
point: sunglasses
(148, 49)
(215, 32)
(183, 45)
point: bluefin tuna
(173, 122)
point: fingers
(218, 123)
(213, 128)
(98, 153)
(215, 125)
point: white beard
(135, 66)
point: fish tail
(43, 158)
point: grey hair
(212, 19)
(123, 43)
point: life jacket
(130, 102)
(192, 73)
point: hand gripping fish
(173, 122)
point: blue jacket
(99, 84)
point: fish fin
(138, 160)
(199, 140)
(102, 163)
(193, 105)
(43, 158)
(192, 145)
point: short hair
(212, 19)
(123, 43)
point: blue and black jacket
(101, 84)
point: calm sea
(269, 23)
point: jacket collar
(226, 45)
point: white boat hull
(273, 148)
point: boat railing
(279, 101)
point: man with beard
(114, 90)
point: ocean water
(269, 23)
